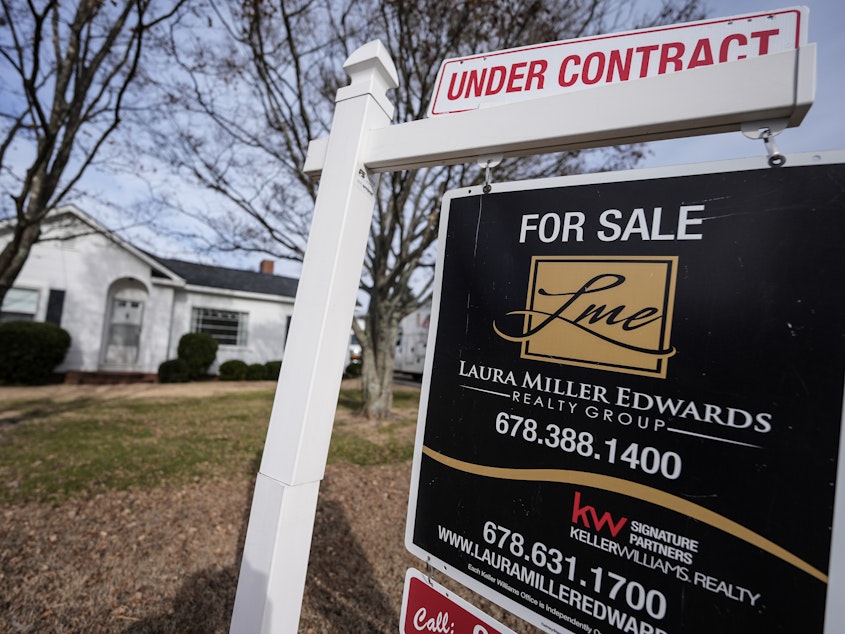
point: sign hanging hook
(488, 163)
(428, 577)
(767, 131)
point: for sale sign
(466, 83)
(631, 418)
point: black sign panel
(631, 419)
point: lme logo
(610, 313)
(589, 517)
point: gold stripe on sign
(634, 490)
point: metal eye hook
(767, 131)
(428, 578)
(488, 163)
(776, 159)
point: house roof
(233, 279)
(191, 273)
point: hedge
(272, 369)
(232, 370)
(174, 371)
(255, 372)
(30, 351)
(198, 351)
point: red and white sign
(467, 83)
(429, 608)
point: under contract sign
(630, 421)
(531, 72)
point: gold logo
(604, 312)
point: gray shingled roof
(232, 279)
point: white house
(126, 309)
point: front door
(124, 334)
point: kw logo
(609, 313)
(583, 515)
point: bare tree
(269, 89)
(65, 69)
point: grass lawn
(56, 450)
(125, 510)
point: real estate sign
(429, 607)
(466, 83)
(631, 417)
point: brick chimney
(266, 267)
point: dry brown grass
(165, 559)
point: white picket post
(278, 540)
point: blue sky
(822, 129)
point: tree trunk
(377, 370)
(14, 255)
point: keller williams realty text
(567, 396)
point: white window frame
(20, 303)
(201, 317)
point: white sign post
(275, 557)
(755, 92)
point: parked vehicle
(411, 342)
(354, 355)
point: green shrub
(232, 370)
(255, 372)
(198, 351)
(352, 370)
(30, 350)
(173, 371)
(272, 369)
